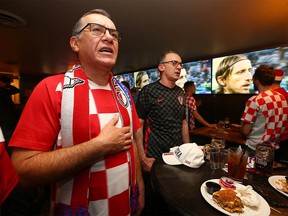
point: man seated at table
(191, 107)
(265, 116)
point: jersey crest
(121, 96)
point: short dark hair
(188, 84)
(265, 74)
(163, 56)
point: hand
(146, 163)
(213, 126)
(115, 139)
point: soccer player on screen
(233, 75)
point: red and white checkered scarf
(75, 128)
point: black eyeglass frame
(174, 63)
(109, 30)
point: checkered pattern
(268, 113)
(282, 91)
(163, 110)
(109, 192)
(190, 107)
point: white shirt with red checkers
(190, 107)
(268, 113)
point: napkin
(188, 154)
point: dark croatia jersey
(163, 111)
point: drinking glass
(223, 158)
(237, 162)
(264, 158)
(214, 158)
(221, 126)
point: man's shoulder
(281, 91)
(53, 79)
(50, 83)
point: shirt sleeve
(191, 103)
(250, 112)
(136, 122)
(39, 124)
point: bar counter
(231, 134)
(179, 186)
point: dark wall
(216, 107)
(27, 84)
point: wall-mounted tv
(200, 73)
(129, 77)
(145, 77)
(233, 74)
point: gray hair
(79, 24)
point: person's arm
(185, 132)
(202, 120)
(245, 129)
(41, 168)
(140, 182)
(145, 161)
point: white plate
(273, 179)
(262, 210)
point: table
(231, 134)
(179, 186)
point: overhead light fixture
(11, 20)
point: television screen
(145, 77)
(129, 77)
(233, 74)
(200, 73)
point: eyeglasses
(98, 30)
(174, 63)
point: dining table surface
(179, 186)
(231, 134)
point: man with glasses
(161, 110)
(81, 141)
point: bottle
(227, 122)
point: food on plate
(227, 183)
(284, 184)
(228, 200)
(248, 196)
(212, 187)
